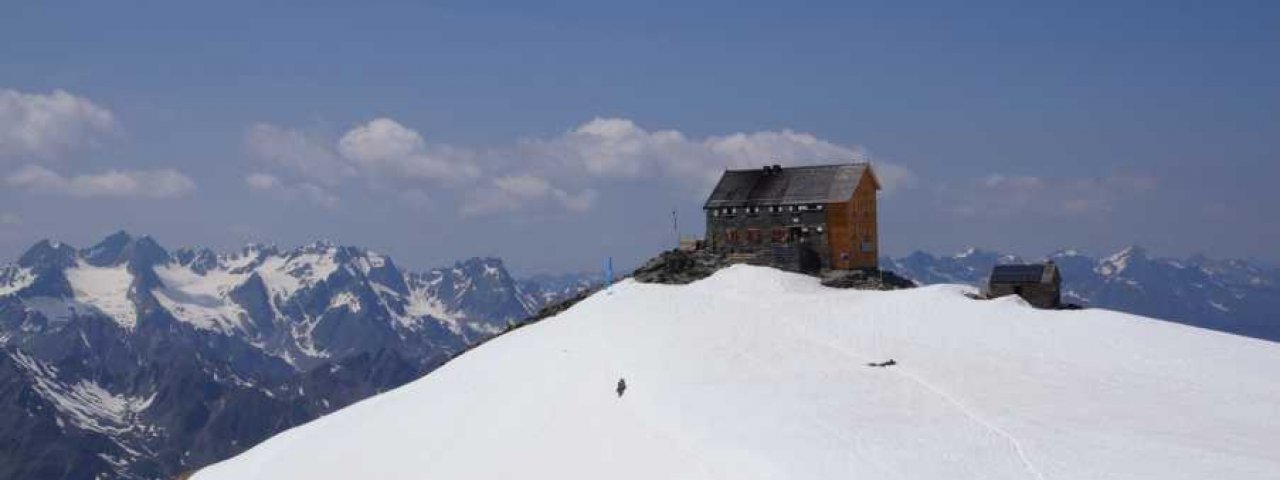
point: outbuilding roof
(1035, 273)
(787, 186)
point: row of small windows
(725, 211)
(756, 236)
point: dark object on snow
(622, 387)
(888, 363)
(1038, 284)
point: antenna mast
(675, 226)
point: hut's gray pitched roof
(1035, 273)
(789, 186)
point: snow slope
(758, 374)
(107, 289)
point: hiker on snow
(622, 387)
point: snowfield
(759, 374)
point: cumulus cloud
(576, 202)
(387, 147)
(45, 125)
(299, 152)
(387, 154)
(381, 149)
(617, 147)
(162, 183)
(309, 192)
(262, 181)
(519, 192)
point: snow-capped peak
(1117, 263)
(279, 300)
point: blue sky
(554, 135)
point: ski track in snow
(764, 365)
(973, 415)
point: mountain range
(1234, 296)
(126, 360)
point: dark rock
(868, 280)
(676, 267)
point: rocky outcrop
(676, 267)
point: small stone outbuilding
(1038, 284)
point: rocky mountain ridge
(126, 360)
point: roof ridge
(798, 167)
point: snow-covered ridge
(754, 373)
(1117, 263)
(14, 278)
(278, 300)
(106, 289)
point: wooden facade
(808, 218)
(854, 236)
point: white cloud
(299, 152)
(386, 154)
(617, 147)
(40, 125)
(381, 149)
(262, 181)
(162, 183)
(523, 186)
(576, 202)
(380, 140)
(520, 192)
(386, 147)
(310, 192)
